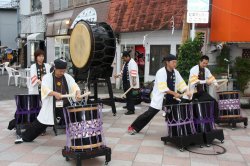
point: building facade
(8, 27)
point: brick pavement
(143, 149)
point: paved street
(143, 149)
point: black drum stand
(183, 141)
(87, 154)
(233, 121)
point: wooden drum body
(92, 48)
(84, 127)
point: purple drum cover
(229, 103)
(85, 132)
(204, 116)
(179, 120)
(27, 108)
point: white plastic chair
(13, 74)
(3, 65)
(2, 68)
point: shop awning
(230, 21)
(58, 28)
(36, 36)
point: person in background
(130, 78)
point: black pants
(129, 99)
(204, 96)
(33, 131)
(142, 120)
(36, 128)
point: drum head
(80, 45)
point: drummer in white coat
(37, 71)
(53, 86)
(168, 81)
(130, 78)
(200, 77)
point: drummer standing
(130, 78)
(37, 71)
(167, 81)
(200, 77)
(53, 86)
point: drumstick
(124, 94)
(72, 95)
(178, 99)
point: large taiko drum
(229, 104)
(179, 119)
(27, 108)
(92, 47)
(203, 116)
(84, 127)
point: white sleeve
(161, 82)
(193, 76)
(180, 83)
(33, 75)
(134, 69)
(210, 77)
(46, 86)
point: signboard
(88, 14)
(198, 11)
(197, 17)
(198, 5)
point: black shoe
(130, 113)
(125, 107)
(18, 139)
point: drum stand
(184, 141)
(233, 121)
(107, 101)
(87, 154)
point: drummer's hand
(78, 95)
(116, 75)
(189, 94)
(57, 95)
(217, 87)
(39, 82)
(177, 95)
(133, 81)
(208, 82)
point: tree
(189, 55)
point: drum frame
(186, 140)
(231, 119)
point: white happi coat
(194, 79)
(46, 115)
(160, 87)
(33, 85)
(133, 72)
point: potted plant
(243, 74)
(189, 55)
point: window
(36, 5)
(246, 53)
(157, 52)
(177, 50)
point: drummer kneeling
(53, 86)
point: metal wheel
(201, 146)
(222, 141)
(181, 149)
(207, 145)
(114, 114)
(106, 163)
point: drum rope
(215, 152)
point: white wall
(50, 43)
(25, 7)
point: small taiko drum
(84, 127)
(27, 108)
(179, 119)
(229, 104)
